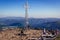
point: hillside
(13, 34)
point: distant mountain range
(48, 23)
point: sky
(36, 9)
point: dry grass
(11, 34)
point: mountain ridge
(34, 22)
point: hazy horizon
(37, 8)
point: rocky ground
(15, 34)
